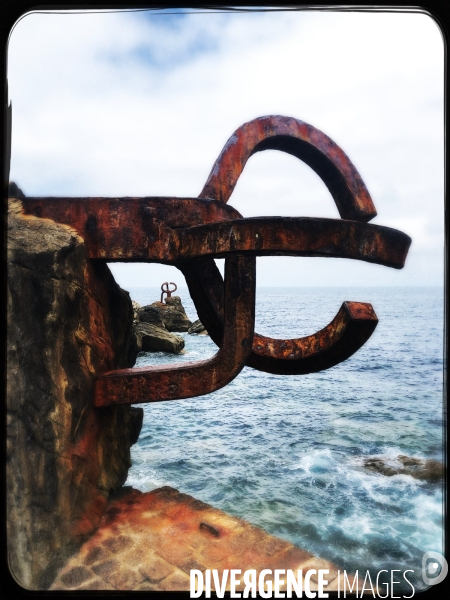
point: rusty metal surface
(348, 331)
(155, 241)
(190, 232)
(355, 240)
(131, 225)
(166, 290)
(305, 142)
(150, 384)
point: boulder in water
(151, 338)
(150, 314)
(172, 314)
(430, 470)
(198, 328)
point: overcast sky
(141, 103)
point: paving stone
(217, 553)
(106, 568)
(118, 544)
(198, 540)
(272, 545)
(221, 548)
(173, 553)
(156, 525)
(249, 559)
(192, 563)
(156, 539)
(125, 579)
(148, 539)
(75, 577)
(244, 538)
(293, 558)
(146, 587)
(156, 569)
(136, 555)
(96, 584)
(96, 554)
(175, 582)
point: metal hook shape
(152, 384)
(165, 290)
(352, 199)
(302, 140)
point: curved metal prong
(154, 384)
(349, 330)
(305, 142)
(327, 159)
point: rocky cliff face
(68, 321)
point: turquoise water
(286, 452)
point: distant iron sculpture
(190, 233)
(165, 290)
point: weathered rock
(197, 327)
(136, 307)
(68, 321)
(151, 338)
(172, 314)
(427, 470)
(150, 314)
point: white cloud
(132, 103)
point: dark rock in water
(157, 339)
(155, 321)
(172, 314)
(427, 470)
(150, 314)
(68, 321)
(197, 327)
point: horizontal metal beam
(122, 230)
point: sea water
(287, 453)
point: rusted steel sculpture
(190, 232)
(165, 289)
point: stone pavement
(150, 541)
